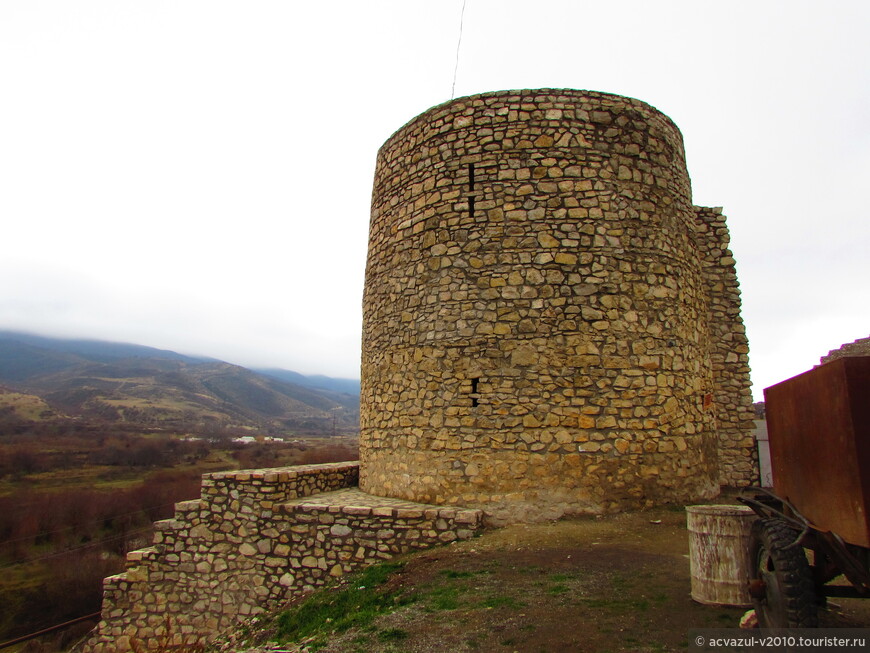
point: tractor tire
(789, 597)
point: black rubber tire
(790, 597)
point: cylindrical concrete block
(719, 553)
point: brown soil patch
(616, 583)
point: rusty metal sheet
(819, 428)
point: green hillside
(156, 388)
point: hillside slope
(152, 387)
(612, 584)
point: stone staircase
(254, 540)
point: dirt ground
(609, 584)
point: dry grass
(29, 407)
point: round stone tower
(535, 337)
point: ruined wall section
(731, 400)
(535, 338)
(254, 540)
(860, 347)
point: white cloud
(196, 175)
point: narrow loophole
(470, 177)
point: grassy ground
(614, 584)
(29, 407)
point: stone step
(352, 501)
(370, 528)
(166, 531)
(186, 510)
(141, 556)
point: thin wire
(87, 523)
(90, 545)
(24, 638)
(458, 44)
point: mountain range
(90, 379)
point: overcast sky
(196, 175)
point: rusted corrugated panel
(819, 429)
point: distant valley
(98, 440)
(54, 379)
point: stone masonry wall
(255, 539)
(860, 347)
(731, 401)
(537, 331)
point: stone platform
(255, 539)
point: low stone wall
(255, 539)
(349, 527)
(860, 347)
